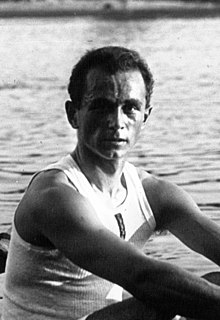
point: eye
(131, 107)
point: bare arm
(178, 213)
(69, 222)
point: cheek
(136, 131)
(90, 126)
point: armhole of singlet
(59, 167)
(131, 171)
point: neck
(104, 174)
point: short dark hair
(111, 59)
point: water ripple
(181, 138)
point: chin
(102, 153)
(113, 155)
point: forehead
(101, 83)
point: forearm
(174, 289)
(130, 309)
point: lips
(115, 142)
(115, 138)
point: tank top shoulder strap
(131, 175)
(71, 169)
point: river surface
(181, 141)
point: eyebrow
(133, 101)
(127, 101)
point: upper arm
(177, 212)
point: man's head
(110, 89)
(110, 59)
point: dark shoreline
(114, 14)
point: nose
(116, 118)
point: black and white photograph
(109, 159)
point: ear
(146, 115)
(72, 114)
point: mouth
(115, 141)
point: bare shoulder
(42, 204)
(167, 200)
(38, 189)
(50, 196)
(163, 189)
(46, 179)
(150, 182)
(155, 187)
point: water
(181, 140)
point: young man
(78, 233)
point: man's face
(112, 113)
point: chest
(126, 220)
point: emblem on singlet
(121, 225)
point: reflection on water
(181, 139)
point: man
(78, 233)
